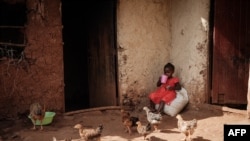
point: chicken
(153, 118)
(142, 129)
(54, 139)
(89, 134)
(128, 121)
(37, 113)
(186, 127)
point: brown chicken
(89, 134)
(37, 113)
(128, 121)
(143, 129)
(186, 127)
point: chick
(54, 139)
(37, 113)
(153, 118)
(186, 127)
(89, 134)
(128, 121)
(142, 129)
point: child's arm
(177, 86)
(158, 84)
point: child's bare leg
(152, 106)
(161, 106)
(41, 127)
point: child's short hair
(169, 65)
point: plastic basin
(48, 118)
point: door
(230, 67)
(101, 53)
(89, 45)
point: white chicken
(153, 118)
(186, 127)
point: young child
(165, 92)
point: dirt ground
(210, 125)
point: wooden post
(248, 94)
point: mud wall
(144, 42)
(189, 46)
(154, 32)
(38, 76)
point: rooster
(186, 127)
(143, 129)
(37, 113)
(153, 118)
(89, 134)
(128, 121)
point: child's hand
(170, 88)
(158, 82)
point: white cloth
(177, 104)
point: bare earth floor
(211, 121)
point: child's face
(168, 72)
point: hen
(142, 129)
(128, 121)
(153, 118)
(90, 134)
(186, 127)
(37, 113)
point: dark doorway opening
(89, 53)
(75, 76)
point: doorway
(90, 61)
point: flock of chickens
(187, 127)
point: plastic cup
(164, 78)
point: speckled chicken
(128, 121)
(186, 127)
(153, 118)
(143, 129)
(68, 139)
(37, 113)
(89, 134)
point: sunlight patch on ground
(113, 138)
(152, 136)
